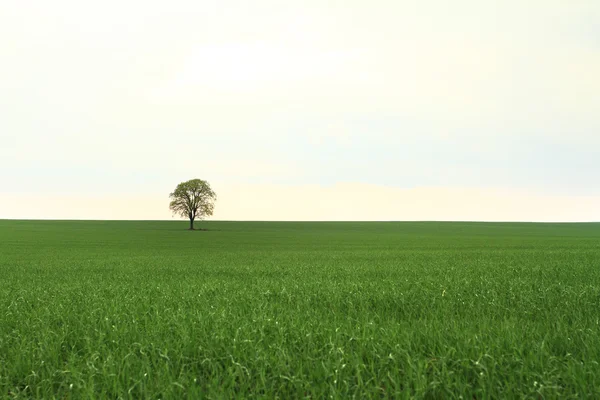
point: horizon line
(300, 221)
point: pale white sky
(383, 110)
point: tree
(193, 199)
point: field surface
(92, 309)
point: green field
(92, 309)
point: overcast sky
(324, 110)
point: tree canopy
(193, 199)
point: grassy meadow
(97, 309)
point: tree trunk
(191, 224)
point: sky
(302, 110)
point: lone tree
(193, 199)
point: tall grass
(293, 310)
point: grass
(92, 309)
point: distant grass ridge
(97, 309)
